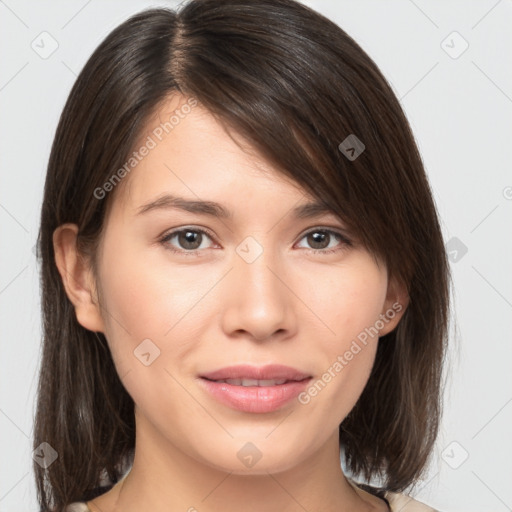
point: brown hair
(295, 85)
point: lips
(274, 372)
(254, 389)
(253, 382)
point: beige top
(398, 502)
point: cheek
(144, 298)
(349, 304)
(347, 300)
(140, 311)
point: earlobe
(77, 278)
(395, 305)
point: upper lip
(268, 372)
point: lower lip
(254, 398)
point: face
(186, 293)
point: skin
(214, 309)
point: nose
(258, 301)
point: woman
(242, 272)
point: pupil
(189, 238)
(319, 238)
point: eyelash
(196, 252)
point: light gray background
(460, 108)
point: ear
(77, 277)
(395, 304)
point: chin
(253, 455)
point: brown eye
(189, 239)
(319, 239)
(325, 241)
(185, 241)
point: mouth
(255, 389)
(254, 382)
(245, 372)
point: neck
(164, 477)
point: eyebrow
(213, 209)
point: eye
(189, 239)
(320, 240)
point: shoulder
(77, 506)
(81, 506)
(398, 502)
(402, 503)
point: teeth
(253, 382)
(271, 382)
(249, 382)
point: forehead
(183, 151)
